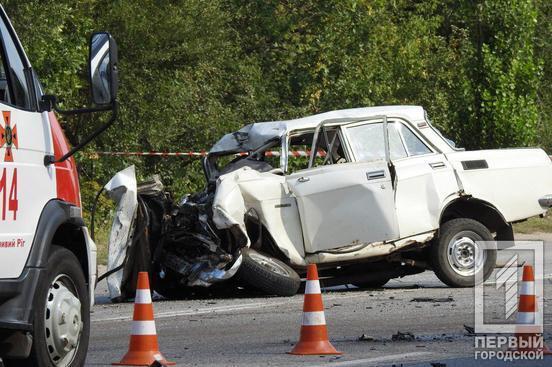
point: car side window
(414, 145)
(329, 148)
(300, 144)
(15, 79)
(367, 142)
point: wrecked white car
(368, 194)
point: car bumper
(546, 201)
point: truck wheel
(61, 311)
(456, 256)
(268, 274)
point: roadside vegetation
(192, 70)
(535, 225)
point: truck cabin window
(13, 81)
(4, 92)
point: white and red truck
(47, 258)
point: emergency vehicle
(47, 258)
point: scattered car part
(122, 189)
(403, 337)
(432, 299)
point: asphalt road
(258, 330)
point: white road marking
(197, 311)
(228, 308)
(390, 358)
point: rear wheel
(268, 274)
(457, 255)
(376, 282)
(61, 313)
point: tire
(377, 282)
(452, 252)
(267, 274)
(63, 274)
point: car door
(342, 201)
(26, 184)
(424, 180)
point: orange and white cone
(143, 349)
(314, 334)
(528, 331)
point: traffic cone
(527, 333)
(143, 349)
(314, 334)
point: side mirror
(102, 61)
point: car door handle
(373, 175)
(303, 179)
(436, 165)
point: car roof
(254, 135)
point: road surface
(258, 331)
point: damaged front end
(178, 243)
(189, 245)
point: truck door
(343, 201)
(26, 184)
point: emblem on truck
(8, 136)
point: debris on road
(400, 336)
(432, 299)
(470, 330)
(366, 338)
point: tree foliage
(192, 70)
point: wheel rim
(464, 254)
(62, 321)
(268, 263)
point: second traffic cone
(143, 349)
(314, 334)
(528, 331)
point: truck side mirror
(103, 68)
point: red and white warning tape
(273, 153)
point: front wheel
(61, 311)
(268, 274)
(457, 255)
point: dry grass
(535, 224)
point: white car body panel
(421, 192)
(92, 252)
(122, 188)
(325, 204)
(267, 194)
(513, 182)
